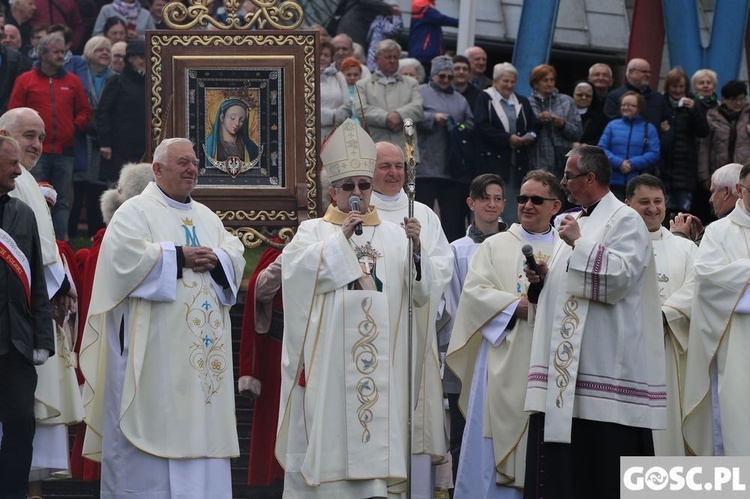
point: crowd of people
(621, 215)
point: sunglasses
(537, 200)
(349, 186)
(442, 77)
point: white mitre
(348, 152)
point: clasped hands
(200, 258)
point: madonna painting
(229, 146)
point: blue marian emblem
(191, 238)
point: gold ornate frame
(251, 209)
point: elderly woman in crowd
(137, 19)
(679, 147)
(334, 96)
(704, 83)
(118, 57)
(630, 142)
(411, 67)
(558, 114)
(351, 71)
(437, 178)
(115, 30)
(728, 139)
(505, 129)
(593, 120)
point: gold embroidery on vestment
(564, 351)
(365, 357)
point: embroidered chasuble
(494, 284)
(177, 389)
(428, 419)
(598, 348)
(719, 345)
(675, 276)
(343, 413)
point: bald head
(388, 178)
(477, 60)
(12, 37)
(25, 126)
(638, 73)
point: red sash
(11, 254)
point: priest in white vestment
(58, 399)
(429, 435)
(596, 380)
(716, 397)
(344, 396)
(490, 346)
(486, 201)
(674, 257)
(156, 352)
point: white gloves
(40, 356)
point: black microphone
(354, 205)
(536, 287)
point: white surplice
(598, 348)
(160, 406)
(492, 362)
(428, 420)
(716, 399)
(675, 275)
(344, 433)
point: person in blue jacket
(630, 142)
(426, 32)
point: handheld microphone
(534, 288)
(354, 205)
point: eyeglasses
(567, 176)
(443, 77)
(537, 200)
(349, 186)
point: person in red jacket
(61, 101)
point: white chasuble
(343, 409)
(494, 282)
(719, 339)
(437, 267)
(177, 389)
(598, 348)
(674, 257)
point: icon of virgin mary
(229, 146)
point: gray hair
(504, 67)
(161, 153)
(727, 176)
(410, 62)
(600, 65)
(701, 73)
(472, 49)
(47, 41)
(386, 45)
(9, 119)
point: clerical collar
(174, 203)
(545, 236)
(585, 212)
(387, 199)
(655, 235)
(336, 216)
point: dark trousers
(451, 197)
(586, 468)
(17, 386)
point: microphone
(534, 288)
(354, 205)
